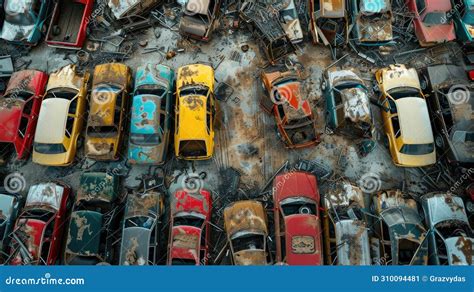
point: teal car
(151, 120)
(464, 19)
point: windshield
(103, 131)
(194, 90)
(145, 139)
(401, 92)
(152, 91)
(107, 88)
(289, 14)
(249, 241)
(188, 220)
(44, 148)
(15, 12)
(436, 18)
(298, 207)
(417, 149)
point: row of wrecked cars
(336, 229)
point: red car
(433, 22)
(19, 109)
(297, 219)
(38, 233)
(190, 229)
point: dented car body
(297, 220)
(247, 231)
(141, 228)
(107, 111)
(190, 228)
(345, 226)
(451, 239)
(400, 236)
(93, 220)
(329, 22)
(9, 209)
(19, 110)
(199, 19)
(151, 115)
(292, 111)
(372, 20)
(123, 8)
(61, 115)
(38, 235)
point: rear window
(434, 18)
(417, 149)
(104, 131)
(44, 148)
(145, 139)
(189, 148)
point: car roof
(192, 117)
(146, 113)
(45, 194)
(52, 120)
(333, 8)
(414, 120)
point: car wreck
(372, 22)
(199, 19)
(451, 239)
(328, 22)
(151, 123)
(141, 228)
(464, 20)
(68, 25)
(290, 22)
(346, 238)
(19, 110)
(451, 101)
(94, 218)
(61, 117)
(190, 228)
(9, 208)
(292, 111)
(247, 231)
(38, 235)
(399, 233)
(297, 220)
(107, 111)
(123, 8)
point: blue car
(464, 19)
(24, 20)
(151, 120)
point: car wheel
(439, 141)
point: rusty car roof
(398, 75)
(97, 186)
(442, 207)
(84, 233)
(245, 216)
(116, 74)
(460, 250)
(344, 194)
(135, 246)
(102, 107)
(66, 77)
(199, 202)
(147, 204)
(352, 240)
(48, 195)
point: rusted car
(372, 22)
(399, 233)
(268, 31)
(348, 108)
(346, 238)
(9, 208)
(451, 239)
(328, 22)
(199, 19)
(291, 22)
(247, 231)
(292, 111)
(190, 228)
(433, 21)
(107, 111)
(451, 101)
(297, 220)
(151, 123)
(24, 20)
(141, 228)
(38, 235)
(61, 118)
(124, 8)
(68, 25)
(19, 110)
(405, 117)
(93, 220)
(464, 20)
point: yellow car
(195, 110)
(108, 102)
(61, 119)
(405, 117)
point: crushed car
(195, 110)
(464, 20)
(141, 228)
(10, 204)
(24, 20)
(151, 123)
(93, 220)
(61, 117)
(291, 22)
(121, 9)
(107, 111)
(190, 227)
(38, 235)
(451, 101)
(68, 25)
(433, 21)
(293, 114)
(400, 237)
(372, 22)
(247, 231)
(451, 239)
(329, 22)
(405, 116)
(199, 19)
(19, 110)
(346, 232)
(297, 219)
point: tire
(439, 141)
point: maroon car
(19, 109)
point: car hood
(255, 257)
(12, 32)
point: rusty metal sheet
(135, 249)
(245, 216)
(460, 250)
(392, 198)
(441, 207)
(398, 75)
(352, 241)
(116, 74)
(66, 77)
(148, 204)
(250, 258)
(45, 195)
(344, 194)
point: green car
(464, 19)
